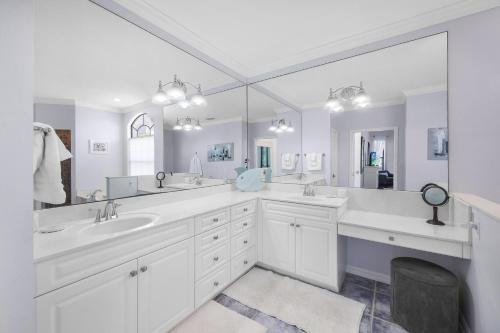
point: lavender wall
(316, 138)
(389, 116)
(186, 144)
(92, 124)
(60, 116)
(17, 313)
(423, 112)
(286, 142)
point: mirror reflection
(378, 120)
(117, 105)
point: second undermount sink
(126, 222)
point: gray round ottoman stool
(424, 296)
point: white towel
(288, 161)
(314, 161)
(48, 152)
(195, 166)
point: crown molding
(54, 101)
(426, 90)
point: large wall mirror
(377, 120)
(97, 85)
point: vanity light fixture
(176, 93)
(355, 95)
(280, 126)
(186, 124)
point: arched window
(141, 154)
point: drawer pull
(216, 283)
(216, 237)
(391, 238)
(245, 224)
(133, 274)
(144, 269)
(245, 209)
(298, 225)
(216, 258)
(245, 262)
(215, 219)
(292, 225)
(245, 242)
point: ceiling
(255, 37)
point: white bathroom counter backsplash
(50, 245)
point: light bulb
(198, 100)
(177, 126)
(290, 128)
(333, 104)
(160, 97)
(273, 127)
(278, 130)
(198, 126)
(184, 104)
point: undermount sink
(126, 222)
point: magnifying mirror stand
(435, 220)
(161, 185)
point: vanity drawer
(243, 262)
(212, 220)
(242, 224)
(211, 285)
(66, 269)
(243, 209)
(413, 242)
(299, 210)
(212, 238)
(242, 241)
(209, 261)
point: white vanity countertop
(47, 246)
(406, 225)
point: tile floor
(376, 319)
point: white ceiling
(386, 74)
(255, 37)
(86, 54)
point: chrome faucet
(197, 180)
(109, 212)
(309, 190)
(93, 194)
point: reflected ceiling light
(116, 99)
(280, 126)
(176, 92)
(355, 95)
(186, 124)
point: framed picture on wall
(220, 152)
(98, 147)
(437, 143)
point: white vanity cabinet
(302, 240)
(146, 295)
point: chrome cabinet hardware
(245, 224)
(245, 209)
(144, 268)
(216, 283)
(245, 262)
(292, 225)
(216, 237)
(215, 219)
(216, 258)
(298, 225)
(245, 241)
(391, 238)
(133, 274)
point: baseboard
(368, 274)
(464, 326)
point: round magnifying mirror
(435, 196)
(160, 176)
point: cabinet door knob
(216, 258)
(292, 225)
(245, 262)
(133, 273)
(391, 238)
(216, 283)
(245, 242)
(144, 268)
(215, 219)
(298, 225)
(245, 224)
(245, 209)
(216, 237)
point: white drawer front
(212, 238)
(242, 241)
(212, 284)
(61, 271)
(212, 220)
(211, 260)
(299, 210)
(242, 224)
(243, 209)
(242, 262)
(412, 242)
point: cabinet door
(103, 303)
(166, 287)
(316, 245)
(279, 241)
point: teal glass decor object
(268, 175)
(249, 181)
(240, 170)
